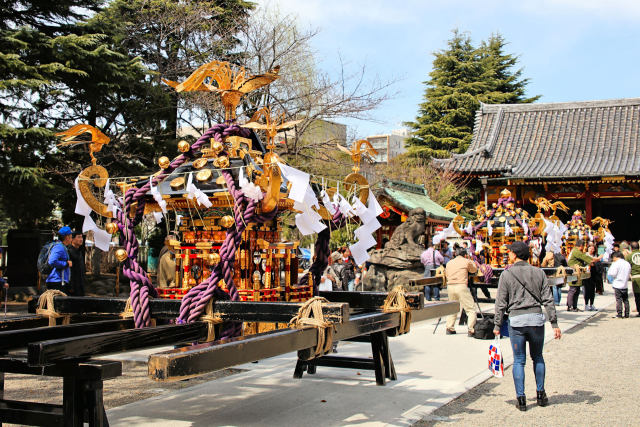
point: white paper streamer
(194, 192)
(299, 181)
(249, 189)
(157, 196)
(101, 237)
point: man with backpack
(59, 262)
(522, 290)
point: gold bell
(111, 228)
(221, 162)
(213, 258)
(164, 162)
(227, 221)
(121, 255)
(183, 146)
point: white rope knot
(310, 316)
(212, 320)
(46, 307)
(128, 310)
(397, 302)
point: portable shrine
(494, 228)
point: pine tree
(33, 36)
(463, 76)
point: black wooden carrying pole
(242, 311)
(19, 338)
(202, 358)
(85, 346)
(372, 300)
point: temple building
(586, 154)
(397, 198)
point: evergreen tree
(463, 76)
(34, 35)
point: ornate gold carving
(231, 85)
(357, 152)
(98, 139)
(96, 175)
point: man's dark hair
(461, 252)
(75, 233)
(634, 245)
(617, 254)
(579, 243)
(444, 242)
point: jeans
(557, 294)
(427, 270)
(519, 337)
(622, 298)
(351, 285)
(436, 292)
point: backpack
(43, 258)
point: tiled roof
(574, 139)
(410, 196)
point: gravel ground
(132, 386)
(591, 380)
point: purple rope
(141, 286)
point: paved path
(433, 369)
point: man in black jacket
(78, 269)
(522, 290)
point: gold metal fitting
(177, 183)
(227, 221)
(121, 255)
(199, 163)
(221, 162)
(164, 162)
(203, 175)
(213, 258)
(183, 146)
(217, 146)
(111, 228)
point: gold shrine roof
(554, 140)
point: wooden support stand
(381, 363)
(82, 399)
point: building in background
(397, 198)
(389, 146)
(586, 154)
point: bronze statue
(399, 261)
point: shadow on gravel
(602, 316)
(578, 396)
(465, 400)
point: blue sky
(571, 50)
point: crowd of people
(524, 295)
(342, 273)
